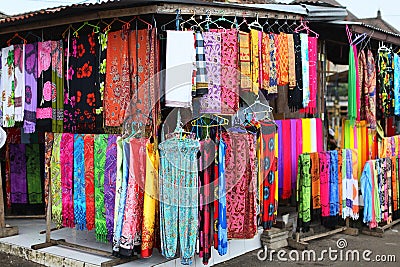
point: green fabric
(100, 146)
(57, 78)
(304, 188)
(377, 202)
(352, 99)
(118, 182)
(33, 174)
(56, 196)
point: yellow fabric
(150, 196)
(360, 148)
(276, 176)
(255, 63)
(306, 128)
(396, 143)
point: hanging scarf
(394, 185)
(396, 84)
(44, 111)
(201, 87)
(370, 86)
(255, 61)
(48, 147)
(282, 52)
(211, 103)
(287, 171)
(333, 184)
(57, 98)
(267, 169)
(294, 155)
(358, 95)
(67, 163)
(244, 62)
(222, 222)
(79, 183)
(305, 69)
(1, 90)
(354, 191)
(315, 178)
(133, 214)
(362, 73)
(18, 173)
(102, 65)
(89, 180)
(69, 123)
(149, 202)
(118, 190)
(7, 82)
(265, 59)
(19, 81)
(291, 62)
(385, 84)
(312, 57)
(366, 191)
(117, 90)
(33, 174)
(240, 183)
(324, 161)
(340, 180)
(304, 189)
(280, 156)
(100, 147)
(273, 74)
(307, 135)
(352, 106)
(110, 171)
(216, 201)
(389, 188)
(376, 217)
(56, 195)
(295, 100)
(229, 76)
(31, 58)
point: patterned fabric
(33, 176)
(273, 74)
(102, 65)
(370, 87)
(57, 97)
(324, 161)
(352, 112)
(79, 182)
(19, 81)
(396, 84)
(265, 62)
(312, 58)
(117, 89)
(333, 184)
(89, 180)
(305, 69)
(100, 147)
(150, 202)
(1, 89)
(201, 70)
(31, 62)
(362, 76)
(295, 100)
(358, 92)
(56, 195)
(133, 215)
(304, 189)
(222, 220)
(18, 174)
(282, 53)
(385, 84)
(229, 75)
(67, 163)
(211, 103)
(244, 62)
(48, 147)
(110, 171)
(366, 191)
(241, 184)
(7, 82)
(315, 179)
(255, 61)
(69, 123)
(291, 62)
(119, 210)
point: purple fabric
(31, 58)
(280, 157)
(18, 174)
(110, 175)
(293, 136)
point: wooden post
(48, 214)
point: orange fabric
(315, 186)
(291, 62)
(394, 184)
(282, 55)
(265, 56)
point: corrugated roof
(379, 22)
(329, 3)
(296, 9)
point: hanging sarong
(340, 180)
(18, 174)
(304, 190)
(352, 106)
(282, 53)
(7, 82)
(312, 57)
(67, 163)
(56, 195)
(89, 180)
(19, 81)
(366, 191)
(305, 69)
(57, 97)
(287, 171)
(295, 100)
(100, 147)
(362, 74)
(370, 86)
(118, 191)
(333, 184)
(358, 89)
(102, 65)
(273, 74)
(385, 84)
(291, 62)
(294, 156)
(324, 161)
(255, 61)
(265, 59)
(48, 147)
(244, 62)
(222, 221)
(31, 62)
(69, 123)
(79, 183)
(33, 176)
(315, 181)
(201, 87)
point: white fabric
(305, 63)
(19, 81)
(313, 123)
(7, 80)
(3, 137)
(180, 64)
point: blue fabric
(366, 191)
(79, 183)
(222, 223)
(396, 84)
(333, 184)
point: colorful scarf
(255, 61)
(31, 63)
(293, 149)
(57, 98)
(18, 173)
(352, 101)
(366, 191)
(56, 195)
(362, 74)
(110, 172)
(1, 90)
(244, 62)
(67, 163)
(358, 95)
(229, 68)
(396, 84)
(312, 57)
(211, 103)
(273, 74)
(48, 147)
(280, 156)
(150, 202)
(291, 62)
(304, 189)
(385, 84)
(370, 87)
(222, 222)
(388, 174)
(287, 170)
(89, 180)
(69, 91)
(333, 184)
(133, 214)
(33, 174)
(295, 100)
(324, 163)
(102, 65)
(19, 81)
(305, 69)
(100, 147)
(320, 135)
(376, 196)
(117, 89)
(79, 183)
(340, 180)
(315, 179)
(7, 82)
(282, 52)
(201, 87)
(265, 59)
(118, 190)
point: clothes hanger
(223, 19)
(209, 22)
(237, 126)
(16, 35)
(137, 18)
(280, 28)
(34, 35)
(96, 28)
(199, 122)
(255, 24)
(67, 29)
(192, 26)
(108, 27)
(177, 20)
(249, 109)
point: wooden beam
(95, 251)
(2, 221)
(117, 261)
(376, 34)
(338, 230)
(383, 228)
(25, 216)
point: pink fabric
(358, 87)
(320, 136)
(44, 113)
(355, 137)
(67, 168)
(312, 57)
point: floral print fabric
(19, 81)
(44, 111)
(31, 64)
(18, 174)
(56, 195)
(67, 161)
(57, 94)
(7, 81)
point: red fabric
(287, 159)
(89, 180)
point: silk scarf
(79, 182)
(110, 172)
(333, 184)
(396, 84)
(312, 57)
(265, 62)
(19, 81)
(370, 86)
(67, 163)
(385, 84)
(287, 171)
(48, 147)
(352, 106)
(118, 191)
(56, 195)
(358, 89)
(69, 123)
(102, 65)
(31, 62)
(305, 69)
(222, 220)
(362, 73)
(18, 174)
(89, 180)
(291, 62)
(33, 176)
(7, 81)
